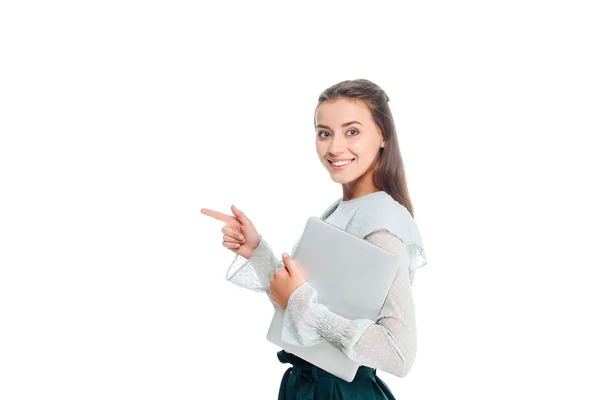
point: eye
(319, 134)
(353, 130)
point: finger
(229, 239)
(240, 215)
(289, 263)
(285, 262)
(231, 245)
(217, 215)
(282, 272)
(229, 231)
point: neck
(358, 188)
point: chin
(341, 181)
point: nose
(337, 145)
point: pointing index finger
(216, 214)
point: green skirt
(305, 381)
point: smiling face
(346, 132)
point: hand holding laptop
(285, 280)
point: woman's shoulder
(382, 209)
(386, 206)
(384, 212)
(330, 209)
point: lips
(341, 159)
(341, 167)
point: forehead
(337, 111)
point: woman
(356, 142)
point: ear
(382, 139)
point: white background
(120, 120)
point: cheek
(321, 148)
(356, 148)
(364, 148)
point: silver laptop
(352, 277)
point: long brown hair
(388, 174)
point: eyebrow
(343, 125)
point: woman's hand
(285, 280)
(239, 234)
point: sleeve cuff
(307, 322)
(417, 259)
(298, 322)
(254, 273)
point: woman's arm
(389, 344)
(254, 272)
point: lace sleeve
(389, 344)
(254, 272)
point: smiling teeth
(339, 164)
